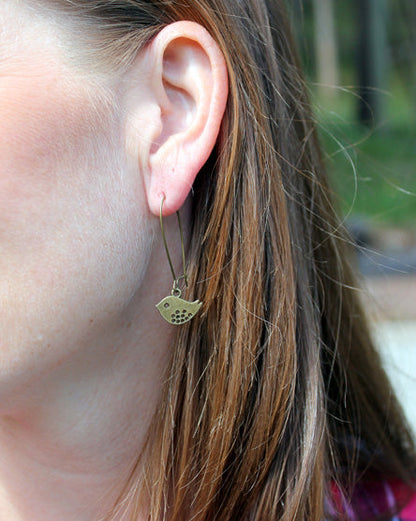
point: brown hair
(276, 391)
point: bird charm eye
(166, 305)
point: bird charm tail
(176, 310)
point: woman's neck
(70, 441)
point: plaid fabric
(374, 500)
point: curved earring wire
(176, 279)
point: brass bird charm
(176, 310)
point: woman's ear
(188, 77)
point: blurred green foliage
(373, 170)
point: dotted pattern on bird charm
(180, 317)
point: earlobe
(190, 73)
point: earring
(173, 308)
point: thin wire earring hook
(175, 278)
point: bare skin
(83, 351)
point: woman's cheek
(35, 130)
(45, 130)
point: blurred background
(360, 61)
